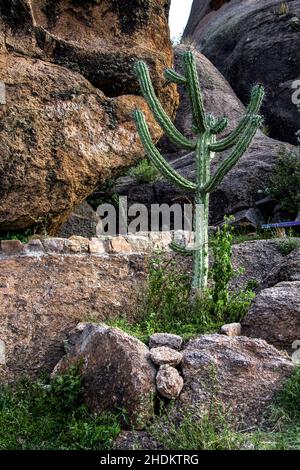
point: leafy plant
(285, 181)
(166, 305)
(21, 236)
(211, 432)
(206, 128)
(287, 245)
(51, 415)
(144, 172)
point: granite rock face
(239, 374)
(44, 296)
(116, 370)
(255, 42)
(67, 123)
(275, 315)
(165, 356)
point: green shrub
(287, 245)
(287, 403)
(166, 306)
(22, 236)
(52, 415)
(285, 181)
(145, 172)
(212, 432)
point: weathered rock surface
(116, 369)
(169, 382)
(70, 91)
(286, 270)
(165, 339)
(242, 374)
(275, 315)
(200, 8)
(48, 286)
(164, 355)
(241, 187)
(44, 296)
(231, 329)
(258, 258)
(82, 221)
(100, 40)
(251, 42)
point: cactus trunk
(205, 145)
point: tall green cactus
(206, 128)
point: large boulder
(44, 295)
(70, 93)
(240, 374)
(275, 315)
(243, 185)
(200, 8)
(117, 371)
(255, 41)
(289, 267)
(99, 39)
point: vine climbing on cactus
(206, 128)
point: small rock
(120, 245)
(138, 244)
(34, 246)
(54, 245)
(165, 339)
(96, 246)
(12, 247)
(165, 355)
(248, 218)
(169, 383)
(232, 329)
(77, 244)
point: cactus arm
(180, 249)
(234, 157)
(257, 96)
(159, 113)
(220, 126)
(175, 77)
(229, 141)
(157, 159)
(195, 93)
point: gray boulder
(251, 42)
(117, 371)
(241, 375)
(275, 315)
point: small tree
(206, 128)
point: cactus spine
(205, 145)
